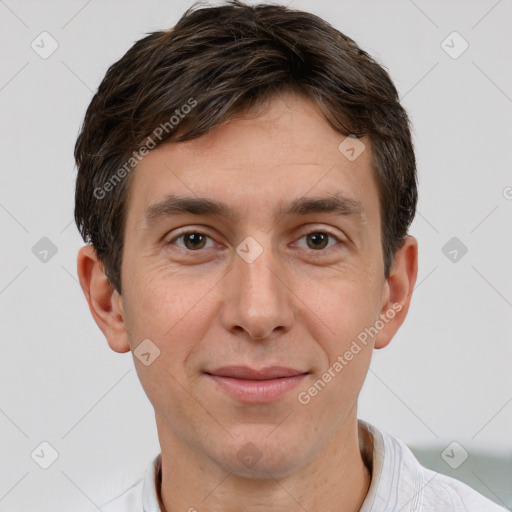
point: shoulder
(400, 482)
(443, 493)
(129, 501)
(140, 496)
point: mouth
(249, 385)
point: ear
(105, 303)
(397, 291)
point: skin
(294, 306)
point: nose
(258, 299)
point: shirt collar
(151, 486)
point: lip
(256, 386)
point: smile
(256, 386)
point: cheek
(162, 298)
(172, 309)
(346, 308)
(344, 305)
(174, 312)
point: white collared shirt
(399, 484)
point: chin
(260, 456)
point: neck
(340, 473)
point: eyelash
(195, 232)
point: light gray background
(445, 377)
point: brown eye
(317, 240)
(194, 241)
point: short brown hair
(224, 61)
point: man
(245, 184)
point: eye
(319, 240)
(195, 241)
(192, 241)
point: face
(255, 246)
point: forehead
(259, 165)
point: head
(281, 148)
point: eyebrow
(171, 205)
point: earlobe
(398, 290)
(104, 302)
